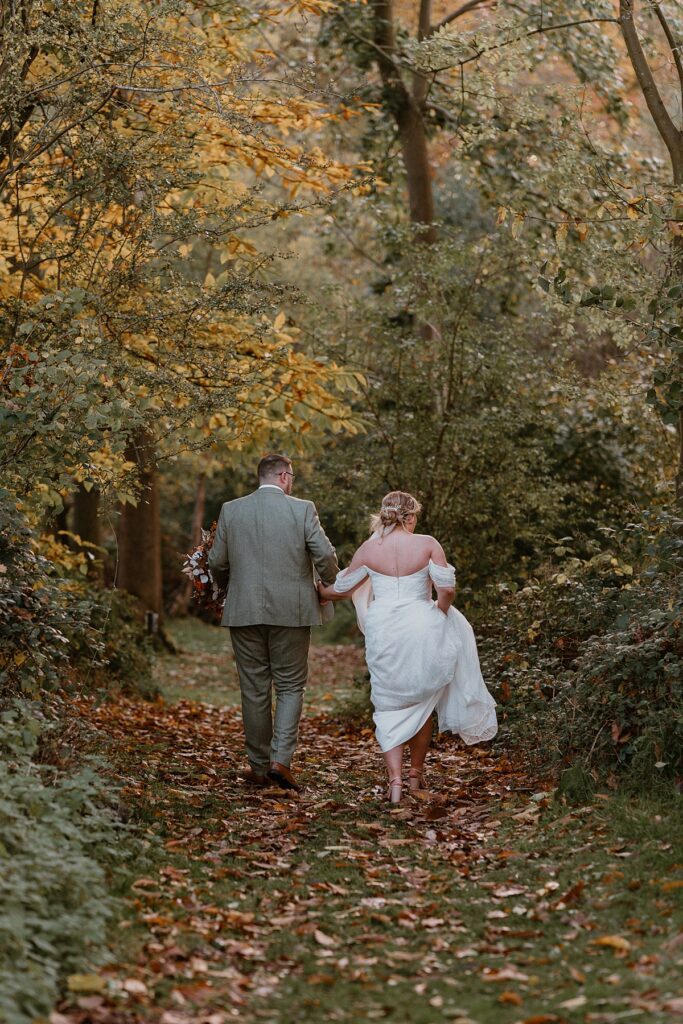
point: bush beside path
(486, 900)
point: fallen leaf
(323, 939)
(503, 974)
(85, 983)
(134, 987)
(575, 1003)
(616, 942)
(510, 997)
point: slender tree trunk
(672, 138)
(415, 152)
(678, 271)
(86, 518)
(406, 105)
(181, 604)
(140, 531)
(87, 526)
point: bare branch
(466, 7)
(655, 104)
(675, 47)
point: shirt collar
(276, 486)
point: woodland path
(484, 902)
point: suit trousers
(270, 657)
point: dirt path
(483, 902)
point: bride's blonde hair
(395, 509)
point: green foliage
(123, 660)
(589, 656)
(479, 418)
(60, 844)
(56, 625)
(38, 608)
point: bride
(421, 653)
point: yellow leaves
(607, 207)
(240, 245)
(316, 7)
(561, 232)
(279, 321)
(219, 419)
(516, 225)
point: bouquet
(206, 593)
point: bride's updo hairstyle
(396, 507)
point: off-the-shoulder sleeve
(441, 575)
(346, 580)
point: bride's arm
(330, 594)
(445, 595)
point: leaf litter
(475, 902)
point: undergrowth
(63, 856)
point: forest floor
(485, 901)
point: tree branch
(526, 35)
(466, 7)
(674, 46)
(87, 116)
(655, 104)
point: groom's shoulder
(235, 503)
(299, 504)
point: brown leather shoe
(254, 779)
(281, 775)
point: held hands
(322, 592)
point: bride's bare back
(400, 553)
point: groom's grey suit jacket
(266, 549)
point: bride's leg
(419, 745)
(394, 761)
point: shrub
(588, 658)
(55, 622)
(60, 844)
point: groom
(266, 549)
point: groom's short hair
(272, 465)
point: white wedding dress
(419, 659)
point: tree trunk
(415, 152)
(678, 271)
(407, 109)
(86, 519)
(140, 531)
(672, 138)
(87, 526)
(181, 603)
